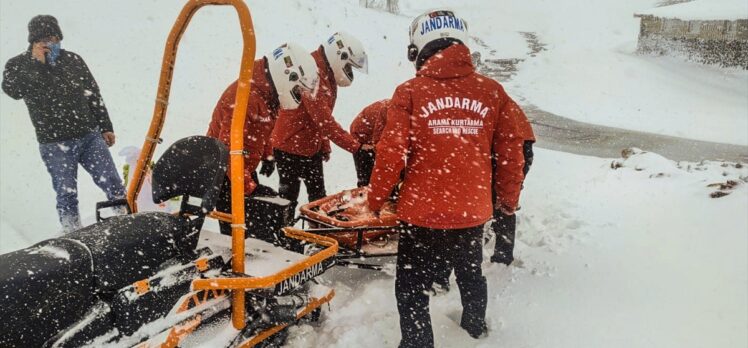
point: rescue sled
(154, 279)
(359, 233)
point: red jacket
(261, 113)
(368, 125)
(308, 129)
(442, 128)
(523, 124)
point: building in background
(704, 31)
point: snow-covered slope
(607, 258)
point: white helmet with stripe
(292, 70)
(344, 52)
(433, 31)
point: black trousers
(292, 169)
(364, 162)
(505, 226)
(422, 255)
(224, 202)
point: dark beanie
(43, 26)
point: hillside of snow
(611, 252)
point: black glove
(366, 153)
(268, 167)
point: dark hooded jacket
(64, 101)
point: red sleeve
(362, 127)
(507, 147)
(268, 149)
(523, 124)
(269, 144)
(322, 116)
(392, 148)
(258, 127)
(326, 146)
(379, 121)
(214, 126)
(220, 122)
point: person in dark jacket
(71, 122)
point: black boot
(475, 328)
(504, 227)
(502, 257)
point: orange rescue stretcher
(345, 217)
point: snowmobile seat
(45, 288)
(194, 168)
(132, 247)
(127, 248)
(52, 285)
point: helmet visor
(309, 83)
(360, 62)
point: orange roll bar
(237, 129)
(331, 249)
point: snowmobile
(155, 279)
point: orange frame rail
(331, 249)
(237, 126)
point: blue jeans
(62, 159)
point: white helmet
(292, 69)
(344, 52)
(440, 27)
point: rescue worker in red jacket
(443, 127)
(504, 226)
(277, 84)
(367, 129)
(301, 136)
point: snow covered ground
(607, 258)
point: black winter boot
(475, 328)
(502, 257)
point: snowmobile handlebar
(248, 283)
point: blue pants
(62, 159)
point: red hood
(262, 86)
(451, 62)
